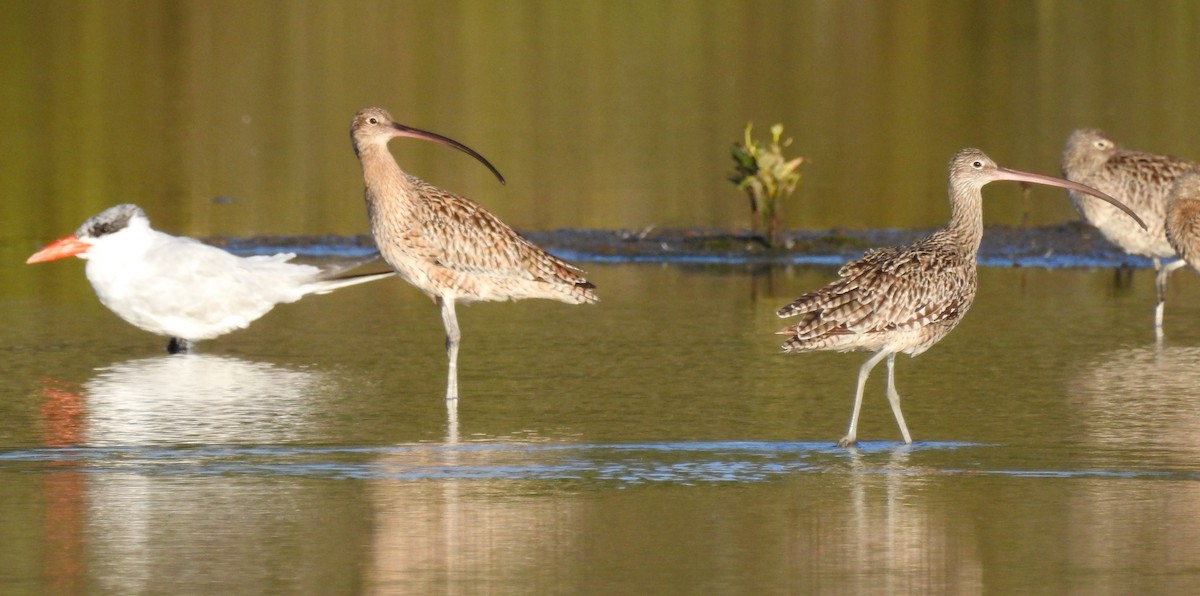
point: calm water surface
(600, 113)
(655, 442)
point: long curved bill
(1019, 176)
(416, 133)
(67, 246)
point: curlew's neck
(966, 219)
(383, 179)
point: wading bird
(1183, 219)
(903, 300)
(1142, 181)
(450, 247)
(180, 288)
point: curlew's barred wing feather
(1145, 178)
(885, 291)
(462, 235)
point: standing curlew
(1183, 218)
(182, 289)
(895, 300)
(1143, 181)
(448, 246)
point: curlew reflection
(1145, 396)
(197, 399)
(446, 531)
(1140, 407)
(893, 522)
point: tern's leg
(1160, 287)
(894, 398)
(452, 338)
(865, 371)
(179, 346)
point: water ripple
(668, 462)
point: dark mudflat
(1072, 244)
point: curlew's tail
(579, 292)
(585, 292)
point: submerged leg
(1160, 292)
(1160, 288)
(863, 372)
(452, 338)
(894, 398)
(179, 346)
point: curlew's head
(1085, 153)
(375, 127)
(971, 169)
(97, 228)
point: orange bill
(62, 248)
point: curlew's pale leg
(894, 398)
(1160, 287)
(865, 371)
(452, 339)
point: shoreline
(1071, 244)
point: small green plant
(766, 176)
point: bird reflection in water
(197, 399)
(133, 520)
(1139, 413)
(1147, 396)
(61, 416)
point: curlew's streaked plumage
(450, 247)
(903, 300)
(1183, 218)
(1143, 181)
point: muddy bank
(1072, 244)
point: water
(657, 442)
(228, 118)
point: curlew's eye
(373, 120)
(1103, 144)
(977, 164)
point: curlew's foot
(848, 441)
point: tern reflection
(138, 520)
(198, 398)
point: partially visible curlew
(1143, 181)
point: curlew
(180, 288)
(1142, 181)
(450, 247)
(903, 300)
(1183, 218)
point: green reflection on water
(600, 114)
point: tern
(179, 287)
